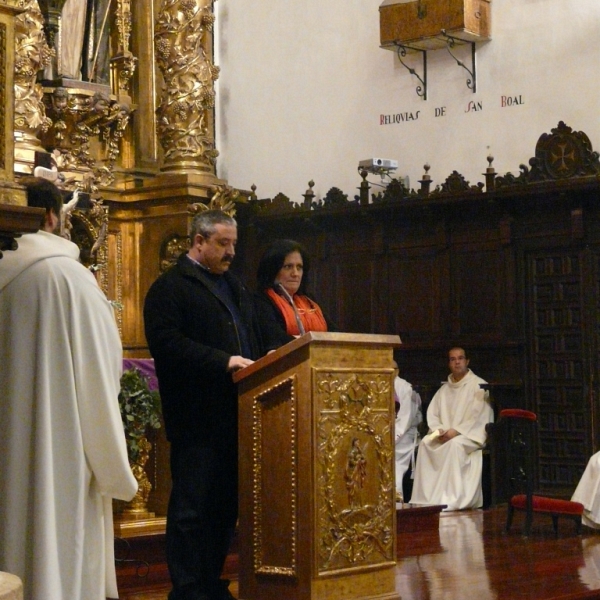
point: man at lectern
(201, 327)
(449, 459)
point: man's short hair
(458, 348)
(204, 223)
(42, 193)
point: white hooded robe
(450, 473)
(62, 447)
(407, 421)
(588, 492)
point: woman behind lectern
(284, 308)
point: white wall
(303, 84)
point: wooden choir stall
(317, 506)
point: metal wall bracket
(402, 51)
(450, 43)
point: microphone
(301, 329)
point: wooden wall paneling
(350, 256)
(479, 278)
(444, 260)
(557, 343)
(414, 294)
(321, 281)
(511, 273)
(356, 272)
(416, 282)
(511, 321)
(477, 272)
(354, 252)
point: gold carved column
(182, 36)
(32, 54)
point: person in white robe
(588, 493)
(408, 418)
(62, 444)
(449, 458)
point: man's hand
(238, 362)
(447, 435)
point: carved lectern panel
(275, 481)
(354, 486)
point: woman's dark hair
(273, 259)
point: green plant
(140, 410)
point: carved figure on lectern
(356, 471)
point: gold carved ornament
(86, 132)
(32, 54)
(188, 93)
(354, 429)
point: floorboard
(469, 557)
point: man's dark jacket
(192, 335)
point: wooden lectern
(317, 506)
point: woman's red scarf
(309, 312)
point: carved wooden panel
(558, 368)
(275, 481)
(354, 484)
(414, 294)
(478, 275)
(356, 310)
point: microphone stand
(291, 301)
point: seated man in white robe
(449, 458)
(588, 493)
(408, 418)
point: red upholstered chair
(521, 431)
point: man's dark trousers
(201, 520)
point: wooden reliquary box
(419, 23)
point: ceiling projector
(378, 165)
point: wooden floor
(470, 557)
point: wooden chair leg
(509, 516)
(528, 520)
